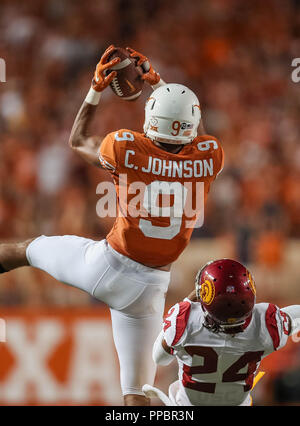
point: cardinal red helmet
(226, 291)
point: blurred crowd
(236, 55)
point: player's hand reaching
(150, 75)
(100, 80)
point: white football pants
(134, 293)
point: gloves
(100, 80)
(151, 76)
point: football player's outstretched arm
(162, 353)
(80, 141)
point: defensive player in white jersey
(219, 336)
(130, 269)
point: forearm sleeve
(159, 355)
(293, 312)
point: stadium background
(236, 55)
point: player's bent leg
(13, 255)
(70, 259)
(85, 264)
(135, 294)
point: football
(127, 84)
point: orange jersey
(161, 195)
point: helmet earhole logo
(207, 292)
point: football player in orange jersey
(130, 269)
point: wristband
(159, 84)
(93, 97)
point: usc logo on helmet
(207, 292)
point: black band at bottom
(2, 270)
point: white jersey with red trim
(219, 368)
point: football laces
(115, 85)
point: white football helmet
(172, 114)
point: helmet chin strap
(168, 141)
(236, 324)
(214, 326)
(174, 149)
